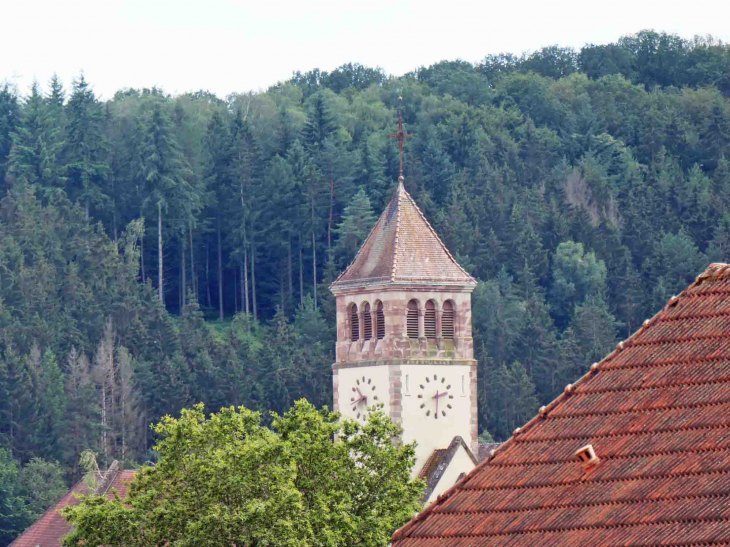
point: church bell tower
(404, 335)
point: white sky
(233, 45)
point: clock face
(436, 397)
(363, 396)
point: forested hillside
(157, 251)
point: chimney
(587, 455)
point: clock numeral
(443, 413)
(375, 397)
(448, 406)
(358, 414)
(435, 415)
(369, 380)
(363, 378)
(428, 413)
(443, 380)
(422, 387)
(451, 396)
(448, 387)
(352, 398)
(354, 408)
(423, 405)
(353, 390)
(373, 388)
(420, 396)
(428, 379)
(435, 377)
(358, 382)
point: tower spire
(400, 136)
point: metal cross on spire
(400, 136)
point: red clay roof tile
(403, 248)
(51, 527)
(655, 410)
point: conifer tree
(85, 147)
(166, 175)
(357, 221)
(36, 144)
(9, 120)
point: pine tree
(9, 120)
(85, 150)
(53, 405)
(36, 144)
(218, 172)
(357, 221)
(166, 175)
(82, 414)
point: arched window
(412, 319)
(380, 319)
(429, 320)
(354, 324)
(367, 322)
(447, 321)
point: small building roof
(402, 248)
(439, 461)
(656, 413)
(51, 527)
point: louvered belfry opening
(412, 319)
(447, 321)
(429, 320)
(354, 324)
(367, 322)
(380, 318)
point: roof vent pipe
(587, 455)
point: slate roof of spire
(51, 527)
(657, 412)
(403, 248)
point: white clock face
(436, 396)
(363, 396)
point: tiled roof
(657, 413)
(485, 449)
(438, 461)
(403, 248)
(51, 527)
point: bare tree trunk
(193, 279)
(245, 279)
(184, 287)
(314, 257)
(235, 289)
(141, 250)
(291, 273)
(207, 276)
(301, 273)
(253, 281)
(114, 219)
(160, 285)
(282, 289)
(332, 207)
(243, 286)
(220, 271)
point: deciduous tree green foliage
(582, 189)
(227, 480)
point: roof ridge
(399, 196)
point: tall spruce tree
(85, 147)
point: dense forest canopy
(157, 250)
